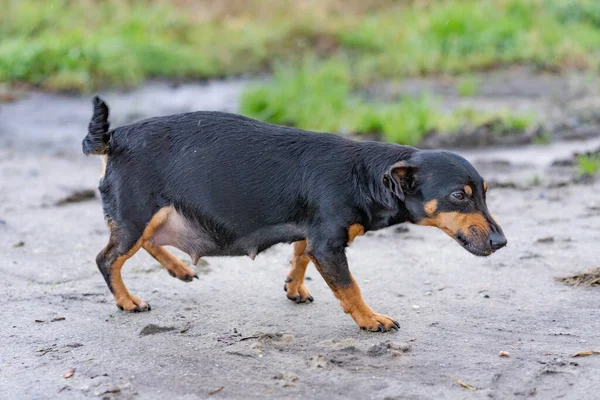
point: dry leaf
(69, 373)
(586, 353)
(216, 390)
(504, 354)
(463, 384)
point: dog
(219, 184)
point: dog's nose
(497, 241)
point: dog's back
(232, 170)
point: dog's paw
(296, 291)
(182, 272)
(375, 322)
(132, 303)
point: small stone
(287, 338)
(504, 354)
(402, 347)
(107, 389)
(546, 239)
(593, 206)
(287, 379)
(377, 350)
(416, 307)
(317, 362)
(401, 229)
(69, 373)
(428, 293)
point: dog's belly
(198, 241)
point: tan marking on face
(431, 207)
(468, 190)
(455, 222)
(485, 186)
(354, 231)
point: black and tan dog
(217, 184)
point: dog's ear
(399, 178)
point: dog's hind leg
(294, 283)
(126, 238)
(174, 265)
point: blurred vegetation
(467, 86)
(588, 164)
(62, 44)
(321, 96)
(322, 52)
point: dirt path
(234, 329)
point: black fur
(96, 141)
(247, 181)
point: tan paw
(132, 303)
(375, 322)
(182, 272)
(296, 291)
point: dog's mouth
(472, 248)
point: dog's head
(442, 189)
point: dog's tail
(96, 141)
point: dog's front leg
(329, 257)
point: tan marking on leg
(431, 207)
(468, 190)
(294, 284)
(352, 302)
(174, 265)
(354, 231)
(485, 186)
(126, 300)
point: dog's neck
(381, 207)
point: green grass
(308, 97)
(588, 164)
(83, 45)
(536, 180)
(467, 86)
(503, 122)
(320, 96)
(543, 138)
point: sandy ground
(234, 330)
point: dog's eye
(460, 196)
